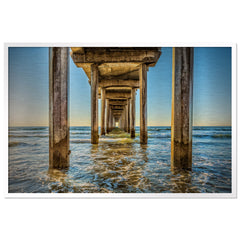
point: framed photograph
(101, 121)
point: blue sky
(28, 89)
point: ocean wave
(212, 136)
(81, 133)
(15, 144)
(27, 136)
(158, 129)
(201, 136)
(28, 128)
(81, 141)
(213, 128)
(222, 136)
(159, 136)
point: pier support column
(126, 118)
(113, 122)
(128, 115)
(120, 122)
(133, 94)
(103, 106)
(182, 97)
(94, 104)
(143, 103)
(108, 117)
(110, 120)
(58, 108)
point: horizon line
(135, 126)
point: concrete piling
(94, 104)
(182, 97)
(143, 103)
(58, 107)
(133, 95)
(103, 107)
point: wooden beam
(143, 103)
(130, 75)
(118, 95)
(120, 102)
(101, 56)
(118, 83)
(182, 97)
(94, 104)
(117, 106)
(58, 107)
(117, 110)
(78, 49)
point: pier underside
(120, 72)
(114, 75)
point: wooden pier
(115, 74)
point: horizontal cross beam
(118, 95)
(118, 83)
(139, 56)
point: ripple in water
(119, 164)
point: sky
(28, 88)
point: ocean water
(119, 164)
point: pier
(115, 74)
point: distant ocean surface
(119, 164)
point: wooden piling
(114, 123)
(103, 106)
(94, 104)
(128, 115)
(133, 97)
(182, 97)
(108, 117)
(110, 120)
(126, 118)
(143, 103)
(58, 107)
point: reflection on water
(116, 167)
(119, 164)
(181, 182)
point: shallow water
(119, 164)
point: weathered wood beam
(118, 83)
(94, 104)
(117, 110)
(139, 56)
(121, 102)
(78, 49)
(143, 103)
(182, 100)
(58, 107)
(118, 95)
(117, 106)
(130, 75)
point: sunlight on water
(119, 164)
